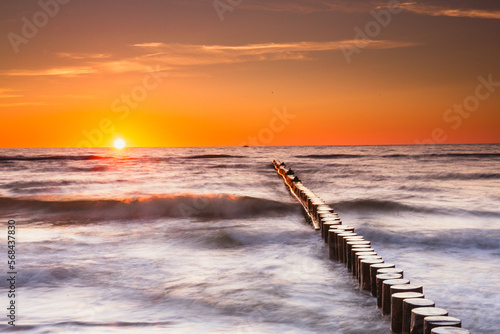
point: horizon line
(232, 146)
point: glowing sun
(119, 143)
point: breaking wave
(459, 238)
(222, 206)
(366, 204)
(388, 206)
(4, 158)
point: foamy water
(208, 240)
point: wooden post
(391, 271)
(397, 308)
(323, 213)
(380, 279)
(323, 208)
(359, 249)
(440, 321)
(449, 330)
(326, 227)
(373, 275)
(397, 320)
(358, 256)
(406, 288)
(410, 304)
(340, 243)
(315, 201)
(329, 214)
(332, 236)
(362, 257)
(354, 237)
(328, 218)
(350, 243)
(386, 293)
(332, 241)
(418, 314)
(365, 273)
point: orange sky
(207, 73)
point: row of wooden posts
(403, 301)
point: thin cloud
(68, 96)
(82, 56)
(185, 54)
(120, 66)
(149, 45)
(176, 56)
(8, 96)
(432, 10)
(365, 6)
(310, 6)
(6, 93)
(57, 71)
(22, 104)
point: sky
(162, 73)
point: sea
(209, 240)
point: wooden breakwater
(409, 309)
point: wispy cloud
(121, 66)
(433, 10)
(68, 96)
(179, 56)
(309, 6)
(186, 54)
(149, 45)
(8, 96)
(22, 104)
(6, 93)
(365, 6)
(57, 71)
(81, 56)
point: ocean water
(209, 240)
